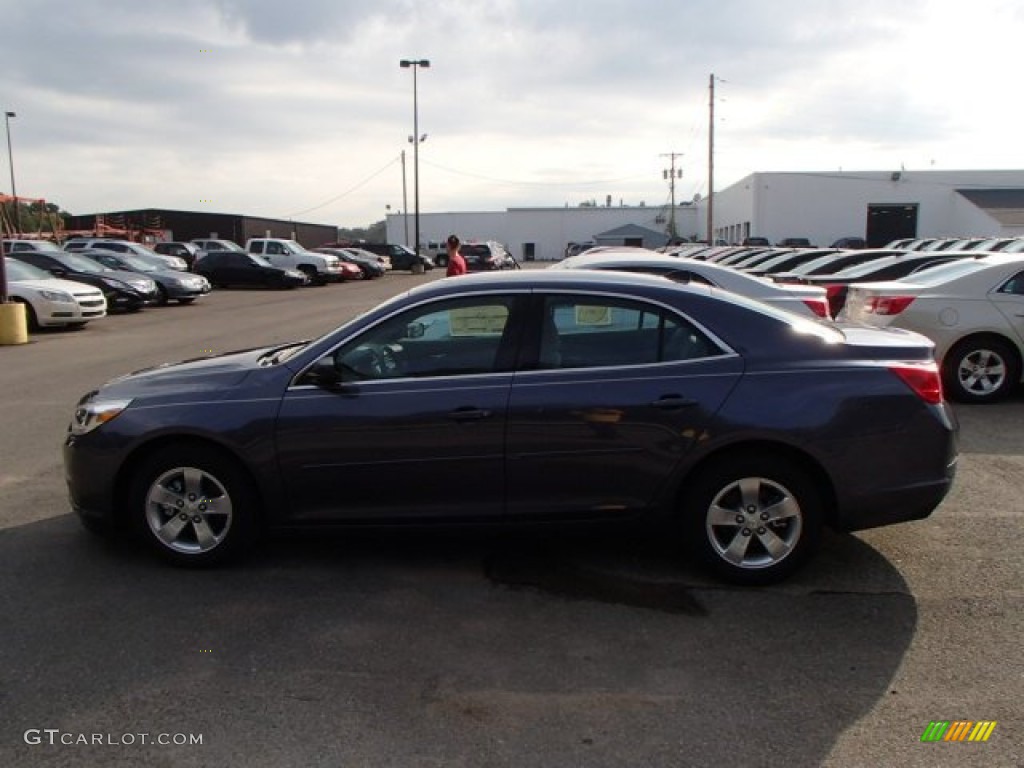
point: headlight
(111, 283)
(146, 286)
(91, 414)
(57, 296)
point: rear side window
(587, 332)
(1015, 285)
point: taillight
(887, 305)
(923, 378)
(832, 289)
(818, 307)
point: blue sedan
(555, 395)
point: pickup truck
(288, 254)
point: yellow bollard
(13, 325)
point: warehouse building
(152, 224)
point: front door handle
(469, 413)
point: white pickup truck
(288, 254)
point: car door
(1009, 299)
(415, 427)
(620, 391)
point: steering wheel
(383, 363)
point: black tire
(186, 301)
(728, 518)
(194, 505)
(161, 295)
(980, 370)
(441, 261)
(315, 278)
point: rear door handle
(670, 402)
(469, 413)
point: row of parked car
(968, 301)
(88, 277)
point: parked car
(135, 249)
(127, 291)
(830, 263)
(853, 243)
(365, 262)
(756, 241)
(224, 268)
(534, 395)
(796, 298)
(185, 251)
(183, 288)
(838, 284)
(21, 246)
(795, 242)
(972, 309)
(320, 268)
(401, 257)
(50, 301)
(784, 260)
(486, 257)
(209, 245)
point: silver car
(801, 299)
(974, 312)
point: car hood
(200, 374)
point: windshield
(82, 264)
(47, 246)
(135, 263)
(19, 270)
(947, 271)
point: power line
(347, 192)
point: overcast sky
(299, 109)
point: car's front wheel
(980, 370)
(752, 519)
(194, 505)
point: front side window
(456, 337)
(585, 332)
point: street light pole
(415, 64)
(10, 158)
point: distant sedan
(224, 268)
(529, 396)
(801, 299)
(183, 287)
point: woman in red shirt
(456, 263)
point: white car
(974, 312)
(51, 301)
(801, 299)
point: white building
(879, 206)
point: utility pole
(670, 174)
(711, 161)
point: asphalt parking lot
(484, 649)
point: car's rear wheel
(313, 275)
(980, 370)
(161, 295)
(194, 505)
(752, 519)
